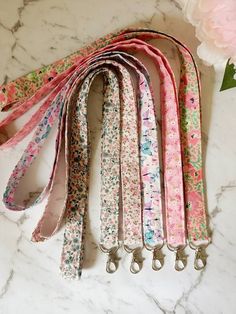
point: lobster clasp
(112, 259)
(200, 258)
(157, 259)
(136, 262)
(180, 260)
(112, 262)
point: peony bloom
(215, 22)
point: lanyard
(73, 248)
(78, 184)
(185, 212)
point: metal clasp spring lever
(157, 259)
(112, 259)
(180, 260)
(136, 263)
(112, 262)
(200, 258)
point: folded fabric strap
(130, 165)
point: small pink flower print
(194, 203)
(49, 76)
(2, 97)
(11, 92)
(191, 100)
(194, 137)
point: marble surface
(37, 32)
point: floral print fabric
(181, 140)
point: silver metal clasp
(180, 259)
(112, 258)
(112, 263)
(157, 259)
(200, 258)
(137, 260)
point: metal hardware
(157, 259)
(180, 260)
(200, 258)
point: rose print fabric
(130, 160)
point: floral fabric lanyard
(129, 161)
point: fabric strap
(130, 163)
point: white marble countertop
(37, 32)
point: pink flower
(215, 23)
(194, 201)
(194, 137)
(11, 92)
(2, 97)
(49, 76)
(195, 174)
(190, 100)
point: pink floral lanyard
(189, 129)
(72, 255)
(131, 233)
